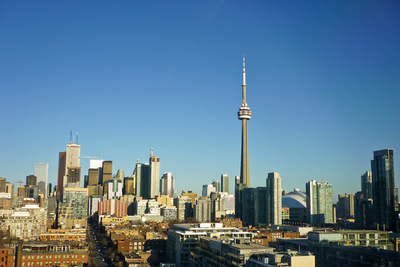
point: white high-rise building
(167, 183)
(274, 198)
(41, 173)
(96, 163)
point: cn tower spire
(244, 114)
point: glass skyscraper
(384, 194)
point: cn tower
(244, 114)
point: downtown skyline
(322, 81)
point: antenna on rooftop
(76, 137)
(70, 137)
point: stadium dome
(295, 199)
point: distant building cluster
(143, 221)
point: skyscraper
(141, 175)
(30, 180)
(244, 114)
(345, 206)
(385, 203)
(41, 172)
(225, 183)
(167, 184)
(319, 202)
(274, 198)
(67, 159)
(366, 185)
(154, 175)
(217, 185)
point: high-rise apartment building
(41, 172)
(225, 183)
(366, 185)
(274, 198)
(167, 184)
(385, 202)
(319, 202)
(244, 114)
(203, 209)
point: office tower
(32, 192)
(237, 180)
(41, 172)
(120, 175)
(21, 191)
(154, 175)
(207, 189)
(319, 202)
(239, 210)
(274, 198)
(217, 185)
(345, 206)
(114, 188)
(69, 158)
(61, 173)
(2, 185)
(129, 188)
(244, 114)
(10, 189)
(93, 176)
(30, 180)
(167, 183)
(49, 189)
(366, 185)
(106, 174)
(141, 175)
(73, 177)
(146, 177)
(225, 183)
(106, 171)
(95, 163)
(385, 202)
(363, 211)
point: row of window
(55, 257)
(49, 263)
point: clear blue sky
(323, 84)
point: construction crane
(20, 183)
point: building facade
(274, 198)
(385, 200)
(319, 202)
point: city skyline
(322, 77)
